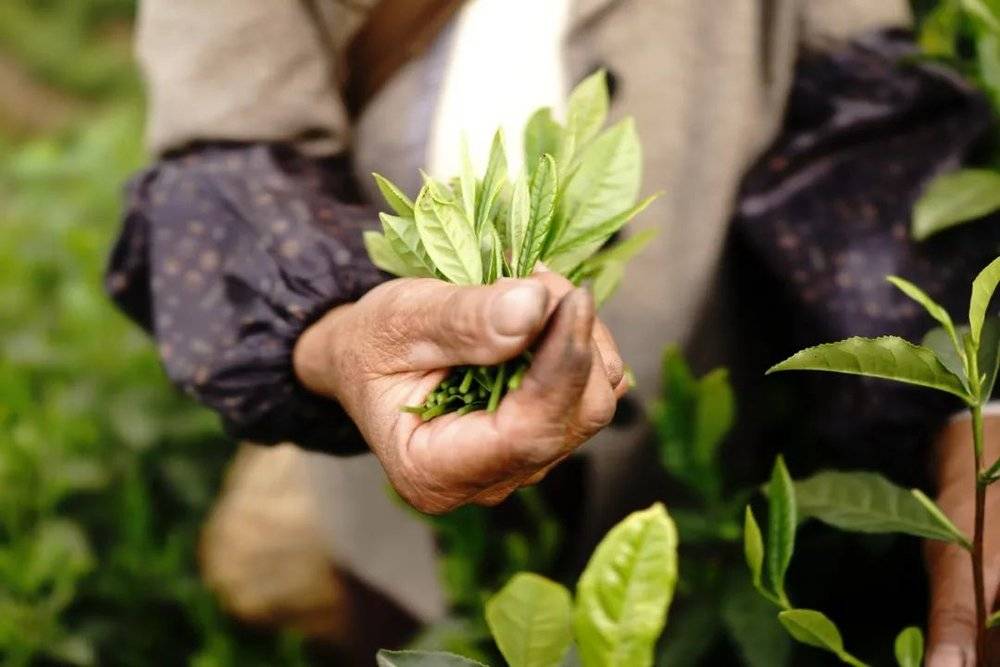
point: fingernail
(948, 655)
(519, 310)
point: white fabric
(506, 61)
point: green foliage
(909, 647)
(531, 619)
(944, 34)
(423, 659)
(624, 593)
(814, 629)
(578, 188)
(106, 472)
(866, 502)
(954, 198)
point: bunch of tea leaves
(578, 188)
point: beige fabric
(253, 70)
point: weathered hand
(952, 623)
(394, 345)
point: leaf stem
(497, 386)
(979, 587)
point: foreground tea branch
(578, 188)
(960, 360)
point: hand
(952, 631)
(394, 345)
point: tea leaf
(518, 223)
(386, 658)
(531, 620)
(866, 502)
(753, 548)
(625, 591)
(954, 198)
(467, 183)
(781, 525)
(577, 246)
(605, 183)
(394, 197)
(404, 239)
(994, 620)
(621, 252)
(382, 255)
(449, 239)
(989, 356)
(943, 521)
(814, 629)
(930, 305)
(542, 134)
(909, 647)
(714, 416)
(939, 30)
(607, 281)
(940, 343)
(982, 291)
(886, 357)
(493, 180)
(587, 108)
(982, 12)
(542, 195)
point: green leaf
(541, 195)
(939, 30)
(449, 239)
(404, 239)
(814, 629)
(943, 521)
(989, 356)
(982, 291)
(605, 183)
(542, 134)
(607, 281)
(940, 343)
(493, 180)
(587, 108)
(565, 256)
(625, 591)
(714, 415)
(394, 197)
(982, 13)
(953, 198)
(781, 524)
(988, 54)
(386, 658)
(518, 222)
(382, 255)
(626, 250)
(467, 183)
(994, 620)
(886, 357)
(866, 502)
(930, 305)
(753, 626)
(531, 620)
(909, 647)
(753, 548)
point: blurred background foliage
(105, 472)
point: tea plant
(619, 611)
(692, 419)
(578, 189)
(960, 360)
(966, 194)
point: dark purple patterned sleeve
(227, 253)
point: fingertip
(520, 309)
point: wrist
(315, 356)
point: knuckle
(953, 619)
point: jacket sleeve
(227, 253)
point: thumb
(441, 325)
(952, 623)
